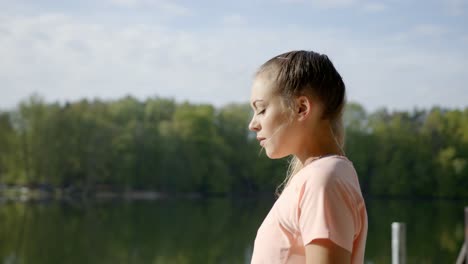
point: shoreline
(18, 193)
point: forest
(163, 145)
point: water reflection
(434, 229)
(200, 231)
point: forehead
(262, 89)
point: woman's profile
(320, 216)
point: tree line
(178, 147)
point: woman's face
(270, 120)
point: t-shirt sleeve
(327, 211)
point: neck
(322, 143)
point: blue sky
(394, 54)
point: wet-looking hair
(297, 73)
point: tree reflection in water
(200, 231)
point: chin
(275, 154)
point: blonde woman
(320, 216)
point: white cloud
(64, 58)
(374, 7)
(163, 6)
(333, 3)
(367, 6)
(326, 4)
(128, 3)
(430, 30)
(234, 20)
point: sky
(396, 54)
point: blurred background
(123, 124)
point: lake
(215, 230)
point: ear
(304, 106)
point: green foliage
(163, 145)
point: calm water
(200, 231)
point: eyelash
(261, 112)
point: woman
(320, 217)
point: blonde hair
(302, 72)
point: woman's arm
(324, 251)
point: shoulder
(329, 202)
(331, 178)
(327, 172)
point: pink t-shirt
(323, 200)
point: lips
(261, 140)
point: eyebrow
(254, 103)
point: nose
(254, 125)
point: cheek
(273, 115)
(276, 123)
(278, 147)
(270, 125)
